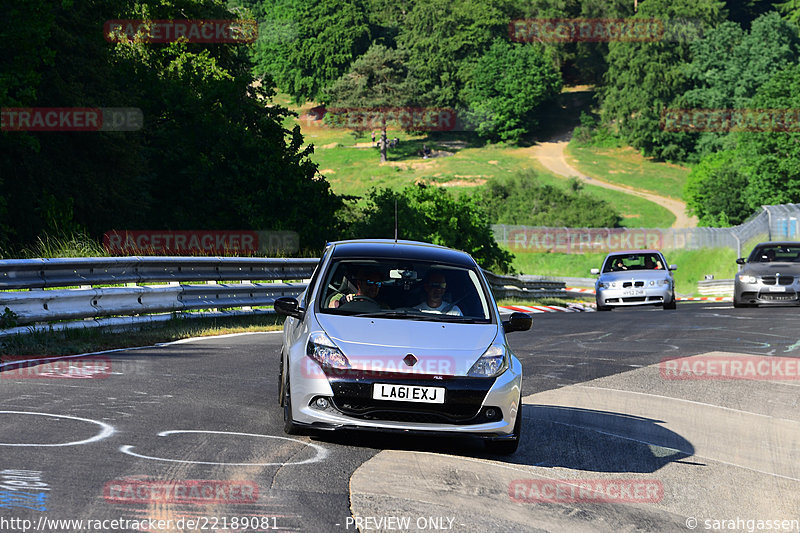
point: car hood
(382, 343)
(631, 275)
(770, 269)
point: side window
(313, 283)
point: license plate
(634, 292)
(777, 289)
(408, 393)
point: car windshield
(775, 254)
(410, 290)
(622, 262)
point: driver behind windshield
(368, 285)
(435, 285)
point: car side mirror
(673, 267)
(517, 322)
(595, 271)
(289, 307)
(741, 261)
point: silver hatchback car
(638, 277)
(400, 336)
(770, 275)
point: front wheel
(673, 304)
(507, 447)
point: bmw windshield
(399, 289)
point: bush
(521, 199)
(430, 214)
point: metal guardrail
(41, 291)
(521, 288)
(721, 287)
(24, 282)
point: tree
(330, 35)
(645, 77)
(442, 38)
(431, 214)
(508, 84)
(772, 159)
(213, 154)
(729, 64)
(761, 168)
(377, 80)
(714, 190)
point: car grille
(626, 284)
(782, 280)
(463, 400)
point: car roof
(777, 243)
(628, 252)
(391, 249)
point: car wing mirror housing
(740, 261)
(595, 271)
(289, 307)
(517, 322)
(673, 267)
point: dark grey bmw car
(770, 275)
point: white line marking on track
(321, 453)
(107, 431)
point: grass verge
(626, 166)
(86, 340)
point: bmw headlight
(607, 285)
(746, 278)
(322, 349)
(493, 362)
(663, 282)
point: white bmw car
(638, 277)
(400, 337)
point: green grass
(625, 166)
(693, 265)
(87, 340)
(352, 166)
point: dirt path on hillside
(551, 155)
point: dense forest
(214, 151)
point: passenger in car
(435, 285)
(652, 264)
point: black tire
(673, 304)
(507, 447)
(739, 305)
(289, 427)
(603, 307)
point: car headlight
(321, 349)
(606, 284)
(493, 362)
(746, 278)
(663, 282)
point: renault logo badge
(410, 360)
